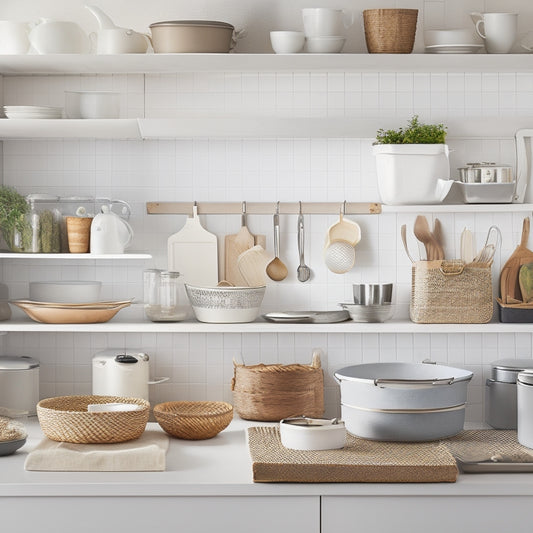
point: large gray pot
(403, 386)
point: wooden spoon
(423, 234)
(276, 269)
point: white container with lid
(524, 394)
(304, 433)
(19, 383)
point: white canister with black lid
(19, 383)
(500, 392)
(524, 394)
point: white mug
(499, 30)
(326, 22)
(14, 37)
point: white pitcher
(111, 39)
(110, 234)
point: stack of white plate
(32, 111)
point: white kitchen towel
(145, 454)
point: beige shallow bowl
(48, 314)
(66, 419)
(193, 420)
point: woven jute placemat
(485, 444)
(359, 461)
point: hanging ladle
(276, 269)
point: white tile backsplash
(200, 366)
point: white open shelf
(118, 325)
(76, 257)
(61, 64)
(236, 126)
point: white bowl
(461, 36)
(226, 305)
(312, 437)
(71, 292)
(325, 45)
(92, 104)
(369, 313)
(287, 42)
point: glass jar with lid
(165, 299)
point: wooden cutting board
(252, 266)
(234, 246)
(509, 276)
(192, 251)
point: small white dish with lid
(304, 433)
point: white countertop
(222, 467)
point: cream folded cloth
(145, 454)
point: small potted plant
(412, 164)
(13, 222)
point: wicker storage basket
(390, 31)
(193, 420)
(66, 419)
(450, 292)
(271, 392)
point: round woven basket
(193, 420)
(66, 419)
(390, 31)
(269, 393)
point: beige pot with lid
(193, 36)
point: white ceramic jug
(14, 37)
(59, 37)
(110, 234)
(111, 39)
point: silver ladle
(303, 271)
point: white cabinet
(420, 514)
(288, 514)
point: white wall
(259, 169)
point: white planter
(412, 173)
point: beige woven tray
(359, 461)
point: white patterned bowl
(226, 305)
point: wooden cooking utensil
(424, 235)
(525, 279)
(234, 245)
(439, 236)
(509, 277)
(276, 269)
(252, 265)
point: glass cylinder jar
(165, 299)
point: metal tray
(309, 317)
(490, 467)
(487, 193)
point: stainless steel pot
(19, 383)
(193, 36)
(403, 401)
(501, 392)
(485, 173)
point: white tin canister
(524, 396)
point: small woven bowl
(193, 420)
(66, 419)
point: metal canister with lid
(501, 393)
(524, 393)
(485, 172)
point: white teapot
(59, 37)
(111, 39)
(110, 234)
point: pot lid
(9, 362)
(507, 369)
(526, 377)
(208, 23)
(120, 356)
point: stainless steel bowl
(372, 293)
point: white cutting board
(193, 253)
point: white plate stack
(32, 111)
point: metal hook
(277, 208)
(344, 208)
(195, 209)
(243, 214)
(300, 208)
